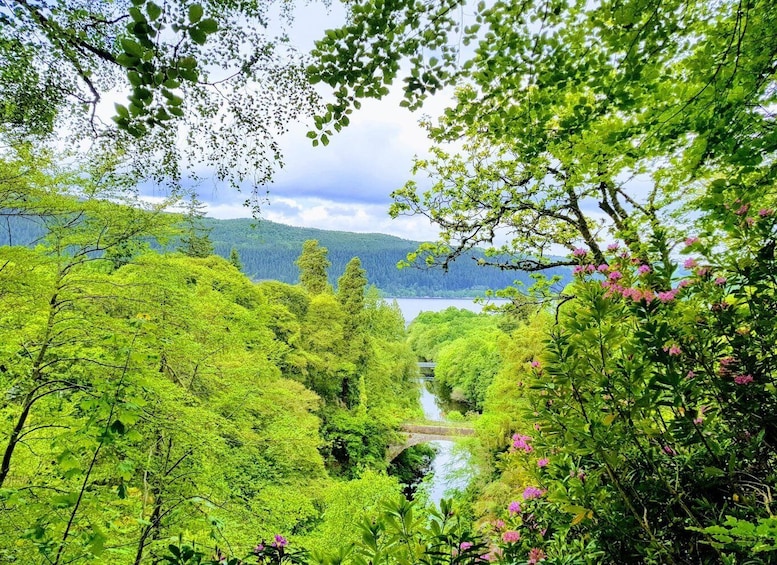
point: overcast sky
(346, 185)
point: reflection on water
(447, 468)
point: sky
(345, 185)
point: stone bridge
(416, 434)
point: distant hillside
(268, 251)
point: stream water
(449, 467)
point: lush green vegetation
(149, 395)
(164, 407)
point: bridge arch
(416, 434)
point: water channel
(449, 467)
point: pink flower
(702, 271)
(543, 462)
(763, 212)
(580, 252)
(667, 296)
(691, 240)
(590, 268)
(612, 247)
(685, 282)
(578, 269)
(743, 379)
(750, 221)
(535, 556)
(499, 524)
(602, 268)
(669, 451)
(535, 364)
(673, 350)
(515, 507)
(522, 442)
(280, 541)
(690, 263)
(465, 545)
(532, 492)
(742, 210)
(615, 275)
(643, 269)
(720, 281)
(259, 548)
(511, 536)
(690, 375)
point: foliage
(195, 94)
(312, 264)
(558, 105)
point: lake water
(411, 307)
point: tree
(195, 241)
(313, 266)
(186, 70)
(234, 259)
(560, 106)
(351, 287)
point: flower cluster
(530, 493)
(522, 442)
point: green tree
(183, 64)
(195, 241)
(313, 265)
(558, 106)
(234, 259)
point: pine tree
(196, 239)
(313, 264)
(234, 258)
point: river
(449, 468)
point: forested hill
(268, 251)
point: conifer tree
(313, 264)
(234, 259)
(196, 239)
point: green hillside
(268, 251)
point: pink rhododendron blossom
(499, 524)
(743, 379)
(543, 462)
(280, 541)
(615, 275)
(669, 451)
(673, 350)
(666, 296)
(515, 507)
(578, 269)
(511, 536)
(465, 545)
(691, 240)
(590, 268)
(259, 548)
(690, 375)
(522, 442)
(602, 268)
(684, 283)
(742, 210)
(690, 263)
(643, 269)
(720, 281)
(532, 492)
(763, 212)
(535, 364)
(613, 247)
(536, 555)
(579, 252)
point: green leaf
(195, 13)
(132, 47)
(208, 26)
(153, 10)
(197, 36)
